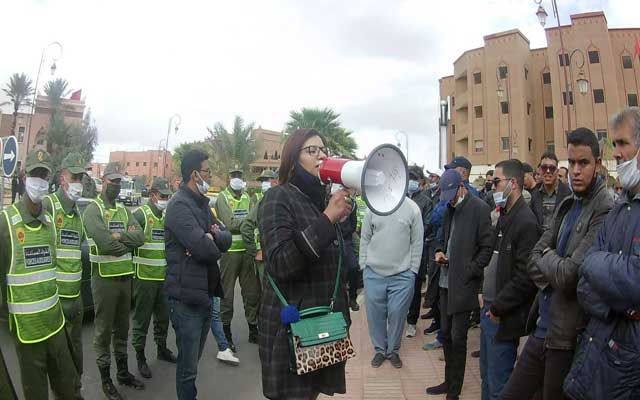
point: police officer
(232, 207)
(249, 228)
(27, 280)
(148, 284)
(61, 205)
(112, 234)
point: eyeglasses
(205, 171)
(496, 181)
(314, 151)
(548, 168)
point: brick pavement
(421, 368)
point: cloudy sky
(377, 63)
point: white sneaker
(227, 357)
(411, 330)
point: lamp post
(583, 83)
(176, 120)
(160, 147)
(53, 68)
(406, 140)
(444, 124)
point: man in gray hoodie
(390, 253)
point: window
(505, 107)
(548, 112)
(598, 95)
(137, 164)
(546, 78)
(551, 147)
(504, 143)
(528, 108)
(453, 101)
(477, 78)
(601, 133)
(526, 74)
(453, 129)
(155, 165)
(627, 63)
(632, 100)
(565, 97)
(478, 110)
(530, 145)
(478, 146)
(144, 164)
(564, 59)
(503, 71)
(594, 57)
(21, 131)
(266, 156)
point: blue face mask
(414, 186)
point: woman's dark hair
(291, 152)
(192, 161)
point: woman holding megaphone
(304, 315)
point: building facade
(144, 163)
(509, 101)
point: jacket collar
(507, 217)
(199, 199)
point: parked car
(129, 194)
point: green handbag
(320, 337)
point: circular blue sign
(10, 156)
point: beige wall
(587, 32)
(147, 163)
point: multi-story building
(144, 163)
(507, 100)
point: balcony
(462, 132)
(461, 101)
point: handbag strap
(283, 299)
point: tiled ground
(421, 368)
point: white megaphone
(382, 178)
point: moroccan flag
(636, 53)
(78, 93)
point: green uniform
(148, 284)
(251, 237)
(69, 235)
(111, 273)
(7, 391)
(36, 319)
(89, 187)
(236, 264)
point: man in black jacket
(507, 292)
(194, 242)
(556, 316)
(550, 193)
(463, 255)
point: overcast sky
(377, 63)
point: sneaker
(475, 354)
(440, 389)
(434, 344)
(377, 361)
(411, 330)
(433, 328)
(395, 360)
(228, 357)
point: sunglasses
(548, 168)
(314, 151)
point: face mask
(236, 184)
(500, 198)
(459, 201)
(432, 185)
(112, 191)
(203, 186)
(628, 173)
(162, 204)
(265, 186)
(74, 191)
(414, 186)
(36, 188)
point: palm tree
(326, 121)
(232, 149)
(19, 90)
(56, 90)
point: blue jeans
(191, 324)
(216, 325)
(387, 299)
(497, 358)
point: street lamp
(53, 69)
(542, 15)
(444, 123)
(176, 119)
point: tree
(182, 149)
(327, 123)
(71, 138)
(19, 89)
(232, 149)
(56, 90)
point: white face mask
(36, 188)
(628, 173)
(203, 186)
(162, 204)
(236, 184)
(74, 191)
(500, 198)
(459, 201)
(266, 185)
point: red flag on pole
(76, 95)
(636, 53)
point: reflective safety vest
(149, 258)
(362, 211)
(69, 234)
(32, 295)
(117, 221)
(259, 196)
(240, 209)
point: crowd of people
(542, 253)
